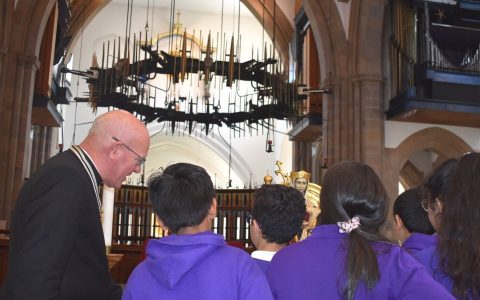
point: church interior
(249, 89)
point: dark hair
(459, 241)
(279, 211)
(181, 196)
(409, 208)
(352, 189)
(437, 184)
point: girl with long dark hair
(346, 257)
(455, 262)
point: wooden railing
(134, 218)
(134, 221)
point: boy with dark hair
(412, 227)
(192, 261)
(277, 216)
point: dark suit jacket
(57, 249)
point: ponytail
(361, 264)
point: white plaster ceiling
(207, 6)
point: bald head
(118, 123)
(117, 143)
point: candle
(139, 226)
(129, 230)
(152, 225)
(238, 228)
(107, 222)
(215, 225)
(119, 228)
(225, 227)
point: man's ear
(114, 151)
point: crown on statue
(300, 174)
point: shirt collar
(263, 255)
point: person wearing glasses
(411, 228)
(277, 216)
(192, 262)
(435, 190)
(455, 261)
(346, 256)
(57, 248)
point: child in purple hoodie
(192, 262)
(411, 227)
(277, 216)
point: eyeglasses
(140, 159)
(424, 204)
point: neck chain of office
(86, 165)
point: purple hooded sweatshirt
(419, 241)
(315, 269)
(197, 266)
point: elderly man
(57, 249)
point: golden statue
(267, 179)
(311, 191)
(285, 177)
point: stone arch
(330, 37)
(28, 38)
(441, 141)
(410, 176)
(435, 139)
(366, 34)
(213, 144)
(283, 28)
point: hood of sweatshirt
(170, 258)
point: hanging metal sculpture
(125, 82)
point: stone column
(368, 121)
(15, 126)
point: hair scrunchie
(348, 226)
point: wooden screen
(134, 218)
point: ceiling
(230, 7)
